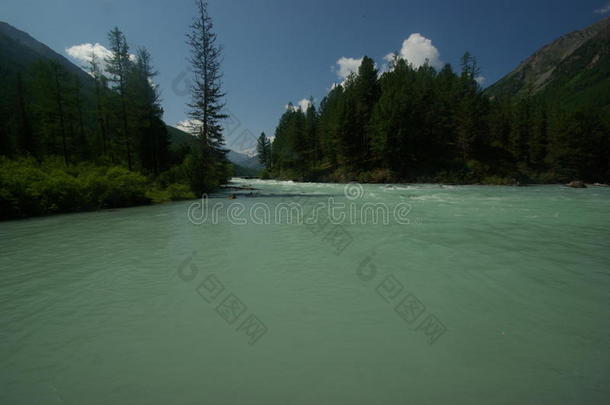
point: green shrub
(376, 176)
(30, 188)
(179, 192)
(498, 181)
(173, 192)
(125, 188)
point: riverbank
(29, 188)
(385, 178)
(381, 176)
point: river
(427, 294)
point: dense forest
(422, 125)
(71, 141)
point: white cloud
(84, 51)
(605, 9)
(347, 66)
(388, 60)
(418, 49)
(389, 57)
(480, 80)
(302, 105)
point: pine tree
(7, 113)
(539, 139)
(206, 106)
(51, 98)
(263, 148)
(118, 65)
(26, 143)
(362, 93)
(391, 126)
(101, 97)
(330, 127)
(146, 112)
(469, 110)
(206, 92)
(311, 138)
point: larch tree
(101, 87)
(152, 138)
(118, 66)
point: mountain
(244, 160)
(573, 70)
(178, 137)
(18, 50)
(245, 165)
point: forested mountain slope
(573, 70)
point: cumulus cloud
(418, 49)
(347, 66)
(480, 80)
(389, 57)
(84, 52)
(302, 105)
(605, 9)
(386, 67)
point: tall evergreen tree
(362, 92)
(263, 148)
(118, 65)
(26, 143)
(206, 106)
(146, 112)
(77, 111)
(469, 124)
(311, 137)
(101, 102)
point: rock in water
(576, 184)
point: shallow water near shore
(477, 294)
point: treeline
(422, 125)
(109, 121)
(115, 117)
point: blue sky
(278, 51)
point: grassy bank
(31, 188)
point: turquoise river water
(466, 295)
